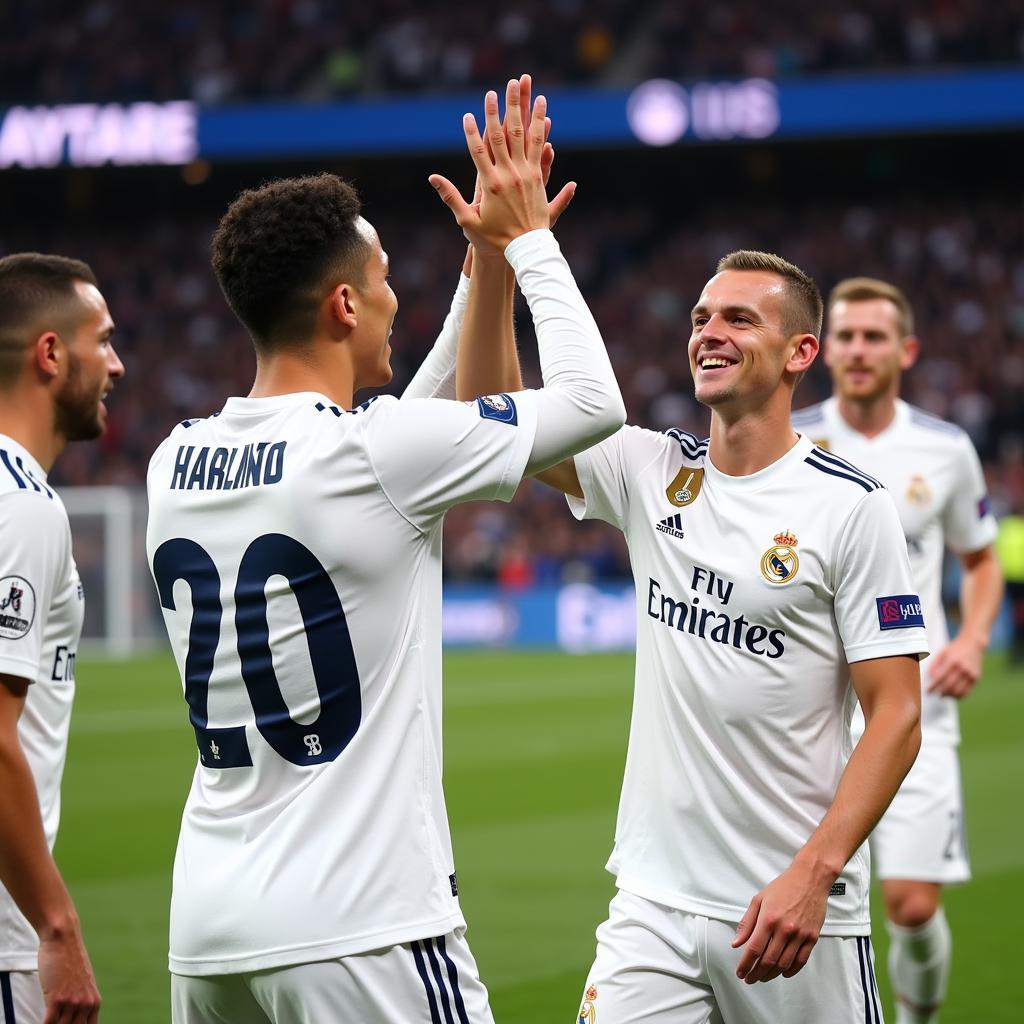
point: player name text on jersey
(228, 469)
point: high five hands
(513, 162)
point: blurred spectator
(56, 51)
(1010, 548)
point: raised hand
(513, 161)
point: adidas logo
(673, 526)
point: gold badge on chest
(685, 486)
(918, 491)
(779, 564)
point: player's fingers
(514, 120)
(547, 128)
(540, 109)
(768, 960)
(492, 126)
(476, 145)
(746, 926)
(558, 205)
(450, 197)
(525, 98)
(547, 159)
(803, 954)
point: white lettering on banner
(477, 621)
(90, 134)
(591, 620)
(659, 111)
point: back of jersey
(296, 551)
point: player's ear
(803, 352)
(910, 350)
(343, 302)
(48, 355)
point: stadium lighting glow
(90, 134)
(657, 112)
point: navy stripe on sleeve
(10, 469)
(839, 463)
(842, 476)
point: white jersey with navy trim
(41, 611)
(933, 473)
(754, 594)
(296, 548)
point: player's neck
(870, 417)
(288, 374)
(750, 442)
(31, 422)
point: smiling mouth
(715, 363)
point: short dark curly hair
(280, 248)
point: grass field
(534, 749)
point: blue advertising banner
(654, 113)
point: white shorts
(922, 836)
(657, 965)
(431, 981)
(21, 998)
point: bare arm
(30, 875)
(957, 667)
(783, 921)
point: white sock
(919, 960)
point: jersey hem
(22, 669)
(886, 649)
(724, 912)
(19, 962)
(330, 949)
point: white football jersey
(41, 611)
(754, 594)
(932, 471)
(296, 548)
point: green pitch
(534, 749)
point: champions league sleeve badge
(779, 564)
(498, 407)
(17, 607)
(588, 1012)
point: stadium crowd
(964, 275)
(54, 51)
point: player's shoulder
(692, 448)
(809, 418)
(25, 496)
(831, 478)
(933, 430)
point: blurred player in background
(933, 473)
(296, 549)
(769, 573)
(57, 364)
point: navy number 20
(330, 649)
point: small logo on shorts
(588, 1012)
(17, 607)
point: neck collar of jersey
(16, 451)
(838, 425)
(237, 406)
(763, 477)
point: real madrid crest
(779, 564)
(685, 486)
(918, 492)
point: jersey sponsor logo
(711, 625)
(779, 564)
(672, 525)
(901, 611)
(498, 407)
(588, 1012)
(918, 491)
(685, 487)
(228, 469)
(63, 664)
(984, 506)
(17, 607)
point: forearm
(981, 596)
(581, 403)
(27, 869)
(436, 376)
(877, 767)
(487, 361)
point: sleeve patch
(17, 607)
(498, 407)
(901, 611)
(984, 507)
